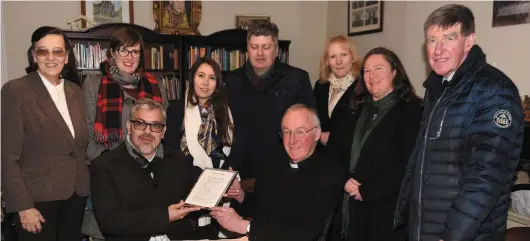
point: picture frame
(244, 20)
(365, 17)
(177, 17)
(506, 13)
(121, 11)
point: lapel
(74, 109)
(46, 104)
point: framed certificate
(210, 187)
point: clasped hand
(352, 188)
(179, 211)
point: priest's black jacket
(294, 204)
(130, 205)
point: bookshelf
(227, 47)
(166, 56)
(161, 55)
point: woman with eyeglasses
(110, 95)
(45, 178)
(200, 125)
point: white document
(210, 187)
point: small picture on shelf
(177, 17)
(244, 21)
(108, 11)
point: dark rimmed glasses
(300, 133)
(141, 126)
(123, 52)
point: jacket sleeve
(175, 117)
(494, 144)
(376, 187)
(305, 91)
(116, 220)
(16, 194)
(90, 91)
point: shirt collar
(449, 78)
(49, 84)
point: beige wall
(306, 29)
(507, 47)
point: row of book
(89, 56)
(228, 59)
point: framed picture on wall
(108, 11)
(365, 17)
(506, 13)
(243, 21)
(177, 17)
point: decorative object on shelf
(108, 11)
(177, 17)
(78, 22)
(507, 13)
(243, 21)
(365, 17)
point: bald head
(300, 132)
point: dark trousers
(63, 220)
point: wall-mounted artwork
(365, 17)
(507, 13)
(108, 11)
(177, 17)
(243, 21)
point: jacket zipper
(423, 160)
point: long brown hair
(325, 70)
(218, 99)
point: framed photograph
(506, 13)
(365, 17)
(108, 11)
(243, 21)
(177, 17)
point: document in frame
(210, 187)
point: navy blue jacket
(459, 177)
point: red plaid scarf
(107, 125)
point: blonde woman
(339, 68)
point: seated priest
(137, 188)
(300, 187)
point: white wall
(306, 29)
(507, 46)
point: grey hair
(149, 104)
(312, 111)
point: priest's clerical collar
(292, 164)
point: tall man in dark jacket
(459, 177)
(298, 191)
(137, 188)
(258, 94)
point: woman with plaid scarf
(109, 96)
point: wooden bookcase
(166, 56)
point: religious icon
(177, 16)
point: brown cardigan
(40, 159)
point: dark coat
(321, 93)
(257, 113)
(130, 205)
(41, 161)
(457, 185)
(294, 204)
(380, 168)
